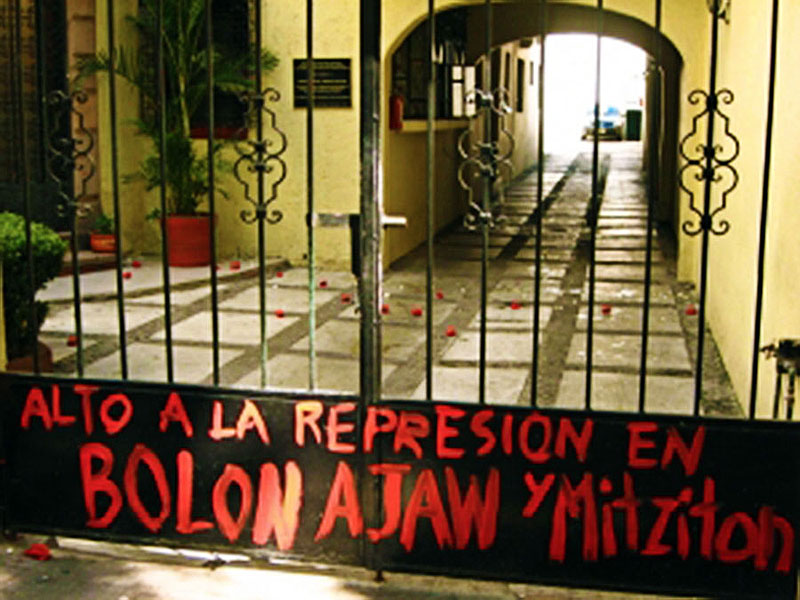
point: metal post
(653, 188)
(711, 101)
(24, 177)
(489, 166)
(593, 210)
(261, 210)
(369, 282)
(162, 99)
(537, 280)
(431, 182)
(212, 193)
(762, 237)
(112, 114)
(312, 251)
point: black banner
(638, 502)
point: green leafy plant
(185, 59)
(48, 254)
(103, 224)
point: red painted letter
(36, 406)
(58, 418)
(483, 513)
(174, 411)
(542, 453)
(392, 489)
(425, 501)
(579, 442)
(307, 414)
(94, 483)
(184, 509)
(690, 457)
(371, 427)
(335, 428)
(444, 431)
(219, 499)
(636, 442)
(250, 418)
(343, 488)
(85, 392)
(411, 426)
(217, 431)
(538, 492)
(478, 426)
(114, 424)
(277, 512)
(142, 453)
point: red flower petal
(691, 310)
(323, 283)
(439, 295)
(515, 305)
(605, 309)
(279, 274)
(385, 309)
(127, 274)
(136, 264)
(416, 311)
(235, 265)
(72, 341)
(346, 298)
(450, 331)
(38, 552)
(279, 313)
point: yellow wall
(744, 68)
(336, 142)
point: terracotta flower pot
(103, 242)
(189, 240)
(24, 364)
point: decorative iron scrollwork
(69, 156)
(489, 160)
(262, 157)
(709, 163)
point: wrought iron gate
(635, 500)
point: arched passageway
(520, 20)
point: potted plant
(101, 236)
(48, 254)
(185, 178)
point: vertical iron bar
(593, 212)
(212, 193)
(762, 236)
(261, 211)
(431, 179)
(369, 282)
(653, 190)
(489, 166)
(112, 114)
(371, 202)
(706, 225)
(537, 282)
(23, 175)
(312, 251)
(162, 151)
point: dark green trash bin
(633, 124)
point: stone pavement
(85, 570)
(617, 318)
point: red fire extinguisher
(396, 112)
